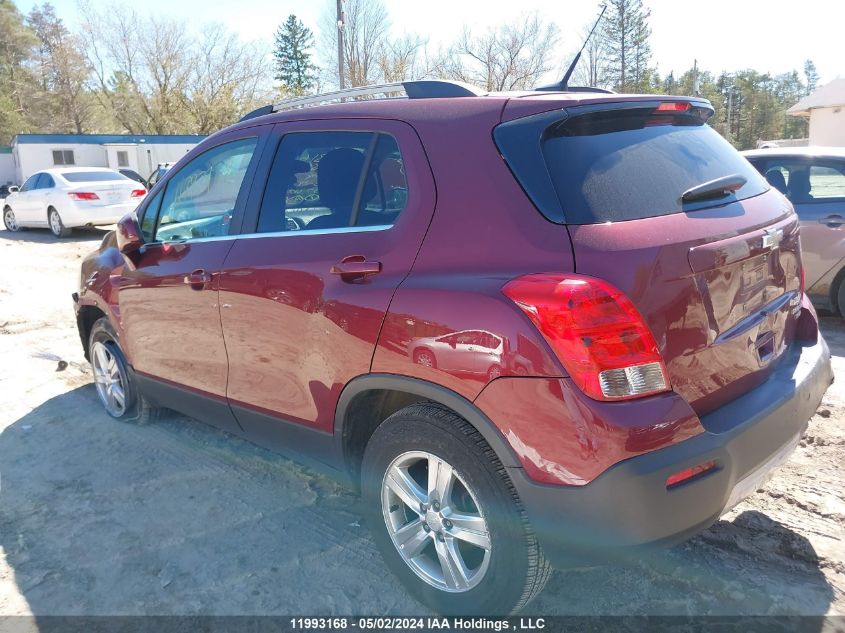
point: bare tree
(62, 103)
(155, 77)
(507, 57)
(227, 78)
(403, 59)
(365, 28)
(592, 68)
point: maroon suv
(531, 326)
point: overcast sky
(768, 36)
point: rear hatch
(716, 274)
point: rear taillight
(83, 195)
(138, 193)
(595, 331)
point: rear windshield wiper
(717, 188)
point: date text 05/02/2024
(412, 623)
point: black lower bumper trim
(629, 505)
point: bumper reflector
(687, 474)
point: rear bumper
(629, 505)
(96, 215)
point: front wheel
(446, 516)
(116, 386)
(56, 225)
(10, 221)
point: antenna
(563, 84)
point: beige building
(825, 108)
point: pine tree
(810, 75)
(626, 34)
(293, 58)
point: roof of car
(811, 151)
(509, 104)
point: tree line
(124, 72)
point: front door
(26, 203)
(302, 299)
(168, 291)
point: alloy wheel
(55, 223)
(109, 379)
(435, 522)
(425, 359)
(9, 219)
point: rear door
(816, 188)
(716, 278)
(167, 292)
(335, 231)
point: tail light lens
(83, 195)
(595, 331)
(138, 193)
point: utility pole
(730, 105)
(695, 88)
(340, 44)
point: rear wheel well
(85, 320)
(364, 415)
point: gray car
(813, 178)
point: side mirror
(453, 344)
(14, 189)
(128, 234)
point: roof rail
(422, 89)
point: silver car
(813, 178)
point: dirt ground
(101, 517)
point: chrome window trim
(218, 238)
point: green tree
(294, 68)
(625, 34)
(17, 43)
(811, 76)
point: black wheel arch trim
(426, 391)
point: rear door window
(624, 163)
(333, 180)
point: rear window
(92, 176)
(615, 164)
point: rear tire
(112, 376)
(57, 227)
(840, 299)
(467, 548)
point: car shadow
(44, 236)
(101, 517)
(751, 565)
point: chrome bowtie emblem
(772, 238)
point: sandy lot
(102, 517)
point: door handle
(833, 220)
(355, 267)
(197, 279)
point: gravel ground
(101, 517)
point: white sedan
(63, 198)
